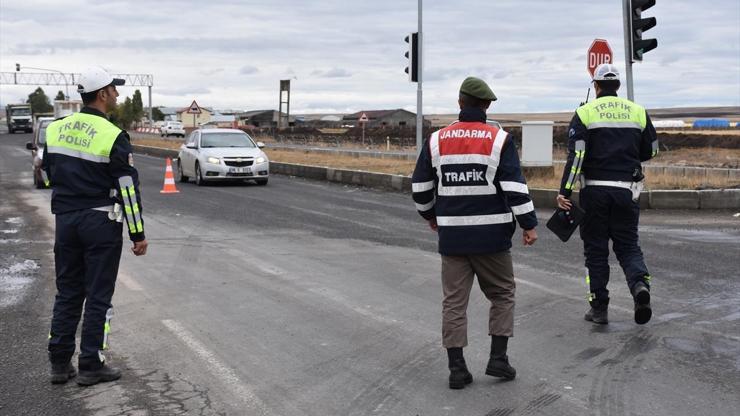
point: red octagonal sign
(599, 53)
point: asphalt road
(310, 298)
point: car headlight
(260, 159)
(213, 160)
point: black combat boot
(459, 374)
(498, 363)
(599, 312)
(89, 377)
(643, 312)
(61, 373)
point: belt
(615, 184)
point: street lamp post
(64, 76)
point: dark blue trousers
(87, 251)
(611, 215)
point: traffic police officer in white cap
(94, 186)
(608, 139)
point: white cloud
(349, 55)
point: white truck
(64, 108)
(19, 118)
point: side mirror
(191, 146)
(31, 146)
(260, 145)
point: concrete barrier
(674, 199)
(719, 199)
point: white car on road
(172, 128)
(222, 154)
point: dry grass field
(680, 157)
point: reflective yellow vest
(84, 136)
(612, 112)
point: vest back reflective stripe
(612, 112)
(483, 144)
(84, 136)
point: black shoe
(499, 367)
(104, 373)
(643, 312)
(459, 374)
(61, 373)
(597, 316)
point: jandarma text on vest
(465, 134)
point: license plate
(240, 170)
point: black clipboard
(564, 222)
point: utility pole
(419, 115)
(626, 9)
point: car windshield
(226, 140)
(175, 125)
(21, 112)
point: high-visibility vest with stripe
(460, 182)
(612, 150)
(612, 112)
(84, 136)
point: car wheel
(180, 177)
(261, 182)
(198, 175)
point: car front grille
(238, 162)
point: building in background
(384, 118)
(194, 120)
(262, 118)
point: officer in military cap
(608, 139)
(470, 188)
(94, 186)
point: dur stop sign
(598, 53)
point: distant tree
(123, 115)
(39, 101)
(137, 106)
(127, 113)
(157, 114)
(60, 96)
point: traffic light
(413, 55)
(17, 67)
(638, 26)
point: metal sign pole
(151, 120)
(419, 115)
(628, 48)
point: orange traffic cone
(169, 180)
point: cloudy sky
(346, 55)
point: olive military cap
(476, 87)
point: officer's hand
(433, 224)
(139, 247)
(530, 236)
(563, 202)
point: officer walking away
(89, 163)
(469, 186)
(608, 139)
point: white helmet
(606, 72)
(95, 78)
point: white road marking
(242, 392)
(129, 282)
